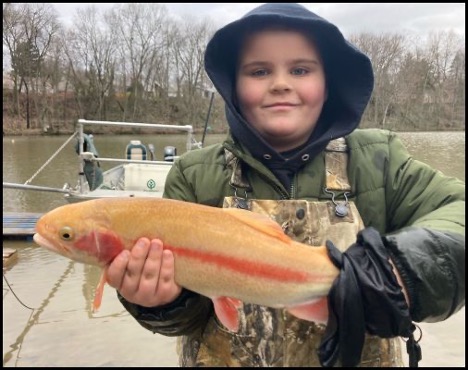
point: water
(62, 330)
(23, 156)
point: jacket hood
(348, 74)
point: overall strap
(233, 163)
(336, 174)
(336, 165)
(336, 162)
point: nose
(280, 82)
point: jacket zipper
(292, 193)
(284, 195)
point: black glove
(365, 297)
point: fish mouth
(43, 242)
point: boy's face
(281, 86)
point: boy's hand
(144, 275)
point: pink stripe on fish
(263, 270)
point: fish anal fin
(316, 310)
(226, 311)
(99, 291)
(259, 222)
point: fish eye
(66, 233)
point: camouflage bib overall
(273, 337)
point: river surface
(47, 315)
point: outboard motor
(92, 169)
(135, 150)
(170, 152)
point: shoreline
(39, 132)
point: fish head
(82, 232)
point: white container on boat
(145, 177)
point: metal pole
(33, 187)
(189, 140)
(81, 174)
(207, 118)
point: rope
(11, 289)
(52, 157)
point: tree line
(138, 63)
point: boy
(295, 91)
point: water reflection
(62, 330)
(35, 314)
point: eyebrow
(294, 61)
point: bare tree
(442, 50)
(413, 84)
(457, 87)
(29, 30)
(385, 52)
(90, 49)
(55, 112)
(140, 30)
(13, 35)
(191, 80)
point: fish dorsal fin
(259, 222)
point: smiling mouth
(280, 105)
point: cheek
(249, 95)
(315, 96)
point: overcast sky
(351, 18)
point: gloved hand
(365, 297)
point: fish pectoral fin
(99, 291)
(226, 311)
(259, 222)
(316, 310)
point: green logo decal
(151, 184)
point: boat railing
(188, 129)
(191, 143)
(185, 128)
(145, 161)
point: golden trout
(229, 255)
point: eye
(66, 233)
(299, 71)
(259, 73)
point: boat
(136, 174)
